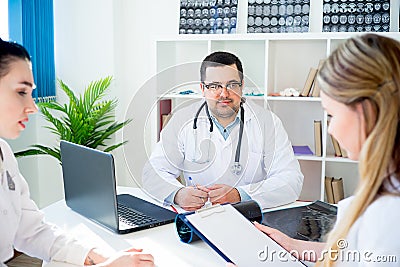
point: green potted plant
(86, 120)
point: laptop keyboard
(133, 217)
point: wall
(4, 19)
(137, 25)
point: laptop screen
(89, 183)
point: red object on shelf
(165, 106)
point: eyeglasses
(216, 88)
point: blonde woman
(21, 223)
(360, 85)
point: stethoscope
(236, 168)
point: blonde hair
(366, 70)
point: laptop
(90, 190)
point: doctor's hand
(222, 193)
(191, 198)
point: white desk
(162, 242)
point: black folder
(311, 222)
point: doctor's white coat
(271, 174)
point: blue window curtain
(31, 24)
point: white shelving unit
(271, 63)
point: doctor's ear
(202, 89)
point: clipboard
(233, 237)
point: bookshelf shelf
(339, 159)
(312, 158)
(177, 96)
(271, 62)
(252, 97)
(292, 98)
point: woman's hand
(131, 257)
(283, 240)
(303, 250)
(279, 237)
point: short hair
(9, 52)
(218, 59)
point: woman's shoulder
(378, 227)
(5, 147)
(381, 217)
(9, 160)
(384, 207)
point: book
(302, 150)
(316, 89)
(318, 137)
(309, 82)
(344, 152)
(165, 107)
(218, 226)
(336, 147)
(337, 189)
(165, 119)
(311, 222)
(335, 144)
(328, 190)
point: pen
(174, 209)
(191, 183)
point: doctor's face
(16, 101)
(224, 91)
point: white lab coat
(21, 223)
(271, 174)
(373, 240)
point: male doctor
(226, 148)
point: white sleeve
(32, 235)
(164, 165)
(284, 180)
(43, 240)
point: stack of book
(164, 119)
(302, 151)
(311, 88)
(339, 152)
(318, 137)
(334, 189)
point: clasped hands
(194, 197)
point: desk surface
(162, 241)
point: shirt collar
(228, 129)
